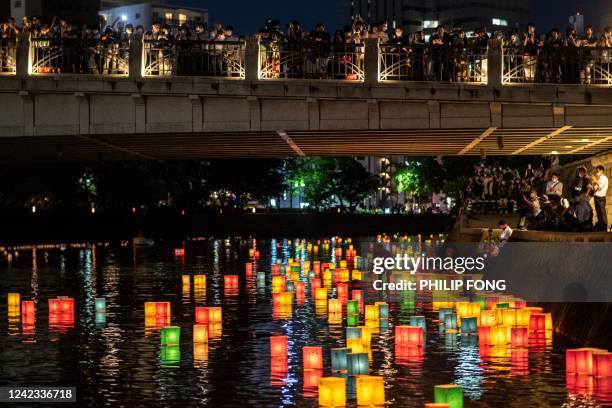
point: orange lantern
(334, 306)
(580, 360)
(602, 365)
(409, 336)
(200, 333)
(519, 337)
(342, 290)
(312, 357)
(487, 318)
(162, 309)
(321, 294)
(186, 279)
(230, 281)
(484, 335)
(215, 314)
(201, 315)
(278, 347)
(278, 284)
(249, 268)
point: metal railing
(589, 66)
(340, 63)
(8, 59)
(194, 58)
(432, 63)
(76, 56)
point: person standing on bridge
(600, 191)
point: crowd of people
(539, 196)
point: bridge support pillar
(371, 61)
(83, 112)
(136, 57)
(255, 113)
(314, 118)
(28, 113)
(251, 59)
(373, 114)
(23, 56)
(140, 113)
(495, 63)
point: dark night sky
(247, 15)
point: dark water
(114, 360)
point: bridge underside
(205, 145)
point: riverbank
(33, 228)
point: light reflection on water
(114, 360)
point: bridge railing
(345, 62)
(589, 66)
(433, 63)
(194, 58)
(8, 59)
(76, 56)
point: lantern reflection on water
(449, 393)
(450, 321)
(199, 281)
(437, 405)
(370, 390)
(215, 314)
(312, 357)
(519, 337)
(321, 294)
(469, 325)
(278, 346)
(186, 280)
(100, 305)
(200, 333)
(170, 356)
(332, 392)
(200, 354)
(500, 335)
(311, 382)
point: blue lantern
(419, 321)
(353, 333)
(442, 313)
(450, 321)
(339, 361)
(358, 363)
(100, 305)
(289, 286)
(383, 311)
(469, 325)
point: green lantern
(100, 305)
(502, 305)
(480, 300)
(353, 333)
(170, 336)
(419, 321)
(339, 361)
(100, 319)
(358, 363)
(352, 308)
(450, 394)
(352, 320)
(469, 325)
(170, 356)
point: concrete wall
(94, 105)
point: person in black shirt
(439, 53)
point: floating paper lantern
(418, 321)
(484, 335)
(356, 274)
(383, 311)
(334, 318)
(66, 305)
(170, 336)
(500, 335)
(352, 307)
(249, 268)
(339, 361)
(537, 322)
(328, 275)
(321, 294)
(352, 320)
(450, 321)
(357, 363)
(334, 306)
(366, 335)
(282, 299)
(342, 290)
(100, 305)
(357, 295)
(230, 281)
(343, 263)
(409, 336)
(519, 337)
(278, 284)
(300, 289)
(371, 312)
(356, 345)
(199, 281)
(580, 360)
(602, 365)
(276, 269)
(200, 353)
(186, 279)
(311, 382)
(442, 313)
(450, 394)
(437, 405)
(332, 392)
(200, 333)
(312, 357)
(14, 300)
(149, 309)
(467, 309)
(508, 317)
(201, 315)
(27, 308)
(215, 314)
(353, 332)
(278, 347)
(162, 309)
(487, 318)
(370, 390)
(469, 325)
(179, 251)
(170, 356)
(408, 353)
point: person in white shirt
(506, 232)
(554, 187)
(601, 189)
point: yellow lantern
(370, 390)
(186, 280)
(334, 318)
(334, 306)
(14, 301)
(214, 314)
(356, 345)
(371, 312)
(487, 318)
(200, 333)
(343, 263)
(356, 275)
(327, 275)
(321, 294)
(366, 335)
(200, 353)
(149, 310)
(500, 335)
(508, 317)
(332, 392)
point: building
(416, 15)
(75, 11)
(5, 9)
(145, 13)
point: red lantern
(580, 360)
(54, 306)
(256, 255)
(27, 308)
(602, 365)
(537, 322)
(162, 309)
(300, 290)
(316, 268)
(315, 283)
(519, 337)
(278, 347)
(520, 304)
(179, 251)
(312, 357)
(249, 268)
(408, 353)
(409, 336)
(201, 315)
(230, 281)
(519, 358)
(484, 335)
(342, 290)
(276, 270)
(311, 381)
(67, 305)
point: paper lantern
(343, 263)
(14, 300)
(469, 325)
(278, 284)
(450, 321)
(487, 318)
(357, 363)
(100, 305)
(334, 306)
(276, 269)
(352, 320)
(186, 279)
(321, 294)
(66, 305)
(484, 335)
(383, 311)
(342, 290)
(356, 345)
(520, 304)
(230, 281)
(149, 309)
(248, 268)
(519, 337)
(179, 251)
(162, 309)
(201, 315)
(353, 333)
(500, 335)
(508, 317)
(328, 275)
(352, 307)
(200, 333)
(170, 356)
(418, 321)
(357, 295)
(366, 335)
(282, 299)
(442, 313)
(312, 357)
(278, 347)
(332, 392)
(370, 390)
(502, 305)
(371, 312)
(300, 289)
(199, 281)
(467, 309)
(170, 336)
(437, 405)
(27, 308)
(580, 360)
(339, 361)
(215, 314)
(537, 322)
(602, 365)
(311, 382)
(409, 336)
(450, 394)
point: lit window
(499, 22)
(182, 18)
(430, 24)
(168, 16)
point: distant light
(93, 209)
(568, 146)
(123, 17)
(554, 152)
(254, 210)
(586, 140)
(33, 209)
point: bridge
(254, 106)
